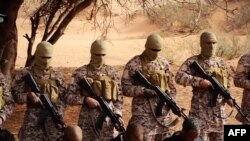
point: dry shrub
(233, 46)
(176, 17)
(241, 18)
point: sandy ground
(72, 51)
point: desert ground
(128, 40)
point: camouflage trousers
(210, 130)
(152, 130)
(35, 133)
(90, 133)
(32, 134)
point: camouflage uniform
(212, 117)
(88, 117)
(38, 124)
(212, 123)
(142, 107)
(242, 80)
(6, 100)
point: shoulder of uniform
(111, 68)
(220, 60)
(191, 59)
(245, 57)
(79, 71)
(20, 73)
(194, 58)
(164, 59)
(23, 71)
(135, 59)
(57, 72)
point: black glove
(149, 93)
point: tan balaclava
(98, 50)
(72, 133)
(153, 46)
(44, 49)
(208, 43)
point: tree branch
(60, 30)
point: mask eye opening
(156, 50)
(99, 54)
(46, 57)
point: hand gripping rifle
(83, 83)
(163, 96)
(44, 99)
(218, 89)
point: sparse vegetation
(178, 17)
(233, 46)
(175, 49)
(242, 18)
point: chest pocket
(49, 86)
(219, 74)
(103, 86)
(159, 77)
(2, 102)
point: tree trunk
(8, 39)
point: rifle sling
(158, 108)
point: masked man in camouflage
(157, 70)
(242, 80)
(38, 124)
(6, 100)
(212, 118)
(105, 81)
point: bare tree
(55, 16)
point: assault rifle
(163, 96)
(218, 89)
(83, 83)
(44, 99)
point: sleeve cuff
(139, 91)
(196, 81)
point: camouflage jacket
(201, 97)
(74, 96)
(6, 98)
(131, 87)
(242, 80)
(20, 89)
